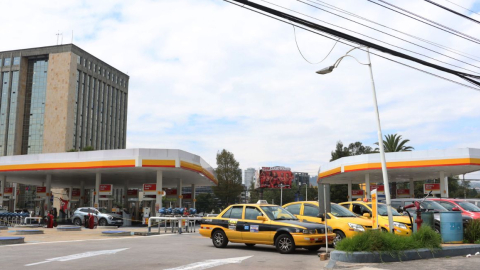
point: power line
(381, 40)
(445, 30)
(312, 27)
(466, 55)
(295, 34)
(423, 18)
(451, 10)
(463, 7)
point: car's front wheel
(285, 244)
(219, 239)
(339, 235)
(102, 222)
(77, 222)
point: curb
(408, 255)
(116, 233)
(145, 233)
(11, 240)
(25, 232)
(69, 228)
(3, 228)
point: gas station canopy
(401, 166)
(137, 166)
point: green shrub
(472, 232)
(382, 242)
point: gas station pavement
(88, 249)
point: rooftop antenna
(72, 36)
(61, 43)
(58, 34)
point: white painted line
(210, 263)
(105, 239)
(79, 256)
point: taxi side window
(360, 209)
(252, 213)
(236, 212)
(310, 210)
(347, 205)
(294, 208)
(227, 214)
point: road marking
(79, 256)
(210, 263)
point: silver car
(102, 216)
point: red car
(465, 207)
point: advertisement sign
(275, 177)
(149, 189)
(380, 189)
(75, 193)
(105, 190)
(132, 193)
(374, 210)
(8, 191)
(41, 192)
(435, 188)
(171, 192)
(357, 193)
(403, 193)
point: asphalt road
(186, 251)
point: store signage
(105, 190)
(403, 193)
(435, 188)
(380, 189)
(357, 193)
(8, 191)
(132, 193)
(149, 189)
(76, 193)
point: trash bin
(427, 220)
(451, 227)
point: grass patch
(472, 232)
(377, 241)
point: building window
(7, 62)
(89, 65)
(16, 61)
(94, 68)
(79, 60)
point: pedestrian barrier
(12, 219)
(176, 223)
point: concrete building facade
(58, 98)
(248, 178)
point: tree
(357, 148)
(205, 203)
(229, 178)
(340, 151)
(394, 143)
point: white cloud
(206, 75)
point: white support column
(367, 186)
(82, 193)
(350, 190)
(412, 188)
(443, 185)
(179, 192)
(70, 197)
(194, 196)
(158, 203)
(125, 194)
(98, 181)
(48, 185)
(3, 185)
(15, 197)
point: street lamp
(281, 194)
(306, 191)
(380, 136)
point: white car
(102, 217)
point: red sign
(132, 192)
(105, 189)
(150, 189)
(171, 192)
(76, 192)
(275, 177)
(435, 188)
(41, 190)
(8, 191)
(357, 193)
(380, 189)
(403, 193)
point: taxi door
(310, 214)
(254, 229)
(233, 216)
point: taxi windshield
(382, 210)
(340, 211)
(277, 213)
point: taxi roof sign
(262, 202)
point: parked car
(476, 202)
(102, 215)
(465, 207)
(266, 224)
(429, 206)
(401, 224)
(343, 222)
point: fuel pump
(417, 205)
(146, 215)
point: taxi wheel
(339, 235)
(219, 239)
(285, 244)
(249, 245)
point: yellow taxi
(264, 223)
(343, 222)
(401, 224)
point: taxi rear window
(234, 212)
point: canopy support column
(48, 181)
(194, 193)
(350, 190)
(443, 185)
(412, 188)
(82, 193)
(3, 185)
(367, 186)
(98, 180)
(158, 203)
(179, 193)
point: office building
(249, 175)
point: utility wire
(445, 30)
(451, 10)
(423, 18)
(312, 27)
(463, 7)
(423, 47)
(466, 55)
(300, 51)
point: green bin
(428, 220)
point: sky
(206, 75)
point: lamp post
(379, 129)
(281, 194)
(306, 191)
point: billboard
(106, 189)
(275, 177)
(435, 188)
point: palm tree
(394, 143)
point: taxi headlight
(356, 227)
(309, 231)
(110, 217)
(400, 225)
